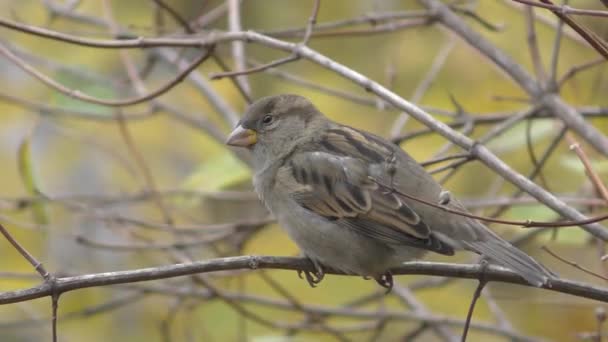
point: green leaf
(90, 88)
(515, 138)
(567, 235)
(573, 163)
(218, 173)
(30, 181)
(537, 212)
(540, 213)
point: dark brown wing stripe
(315, 176)
(358, 146)
(358, 196)
(347, 209)
(388, 146)
(331, 147)
(329, 184)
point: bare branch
(492, 273)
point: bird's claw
(386, 281)
(313, 278)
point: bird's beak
(242, 137)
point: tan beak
(242, 137)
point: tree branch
(490, 273)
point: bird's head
(275, 124)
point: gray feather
(509, 256)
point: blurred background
(88, 188)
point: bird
(354, 202)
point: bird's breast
(269, 189)
(260, 185)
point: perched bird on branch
(352, 201)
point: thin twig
(532, 154)
(125, 133)
(537, 168)
(593, 39)
(593, 176)
(88, 98)
(476, 295)
(291, 58)
(443, 159)
(563, 9)
(527, 223)
(579, 68)
(249, 71)
(427, 81)
(573, 264)
(38, 266)
(406, 295)
(556, 51)
(238, 47)
(533, 46)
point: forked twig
(294, 56)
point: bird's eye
(267, 119)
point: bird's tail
(509, 256)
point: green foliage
(30, 180)
(218, 173)
(515, 138)
(86, 86)
(574, 164)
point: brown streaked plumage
(335, 190)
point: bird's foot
(313, 278)
(386, 281)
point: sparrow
(353, 201)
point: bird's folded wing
(339, 188)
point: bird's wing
(336, 183)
